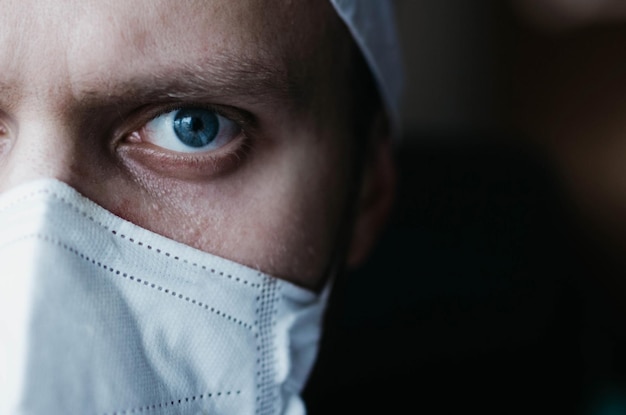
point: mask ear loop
(332, 281)
(331, 294)
(336, 265)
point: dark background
(485, 294)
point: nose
(35, 150)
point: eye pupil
(196, 124)
(196, 127)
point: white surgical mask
(99, 316)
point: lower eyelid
(145, 158)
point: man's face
(91, 93)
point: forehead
(84, 41)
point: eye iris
(196, 127)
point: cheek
(280, 211)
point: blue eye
(196, 127)
(190, 130)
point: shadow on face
(222, 125)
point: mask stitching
(132, 240)
(263, 327)
(141, 281)
(167, 254)
(178, 402)
(265, 335)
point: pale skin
(80, 80)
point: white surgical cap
(372, 24)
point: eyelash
(171, 163)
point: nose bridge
(43, 148)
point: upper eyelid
(139, 117)
(242, 118)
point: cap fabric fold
(372, 24)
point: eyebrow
(229, 80)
